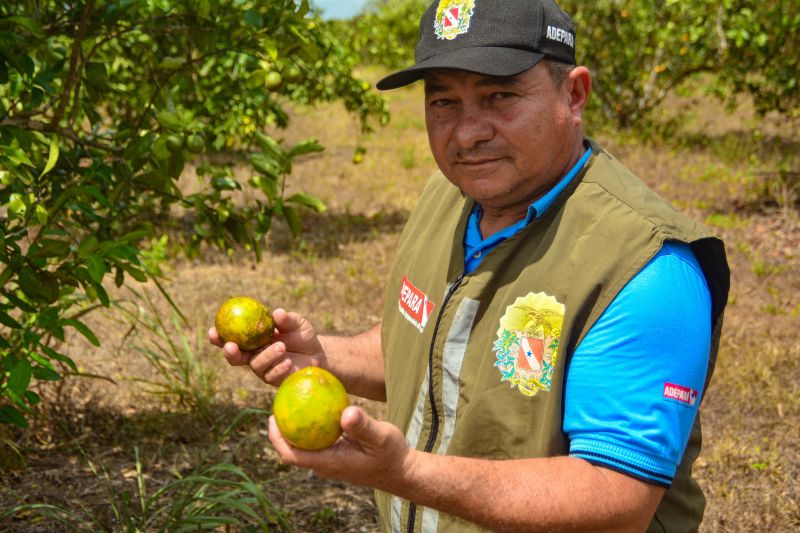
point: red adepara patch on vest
(414, 305)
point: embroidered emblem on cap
(452, 18)
(527, 342)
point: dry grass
(334, 274)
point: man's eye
(441, 102)
(502, 96)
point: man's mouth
(477, 162)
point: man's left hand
(371, 453)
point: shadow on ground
(91, 465)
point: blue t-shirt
(633, 384)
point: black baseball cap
(492, 37)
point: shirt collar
(540, 206)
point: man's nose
(472, 127)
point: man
(550, 323)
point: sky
(339, 9)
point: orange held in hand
(308, 406)
(245, 321)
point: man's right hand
(295, 345)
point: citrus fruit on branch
(273, 80)
(195, 143)
(245, 321)
(308, 406)
(174, 143)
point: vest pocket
(502, 423)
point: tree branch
(73, 63)
(44, 127)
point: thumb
(286, 321)
(360, 426)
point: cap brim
(491, 61)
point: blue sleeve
(633, 384)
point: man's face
(502, 140)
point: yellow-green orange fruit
(245, 321)
(174, 143)
(308, 406)
(195, 143)
(273, 80)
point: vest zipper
(412, 507)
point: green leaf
(293, 219)
(308, 146)
(254, 18)
(33, 27)
(169, 120)
(50, 248)
(97, 267)
(20, 377)
(38, 285)
(171, 63)
(175, 165)
(267, 166)
(42, 361)
(255, 79)
(60, 357)
(268, 185)
(303, 8)
(18, 156)
(271, 49)
(135, 236)
(90, 292)
(135, 273)
(308, 200)
(17, 206)
(79, 191)
(203, 8)
(225, 184)
(52, 159)
(82, 328)
(101, 294)
(19, 303)
(96, 76)
(270, 147)
(8, 321)
(11, 415)
(45, 374)
(40, 212)
(32, 398)
(88, 246)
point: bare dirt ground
(81, 453)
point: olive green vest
(457, 380)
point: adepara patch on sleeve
(680, 394)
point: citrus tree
(761, 53)
(385, 33)
(102, 105)
(642, 51)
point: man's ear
(579, 85)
